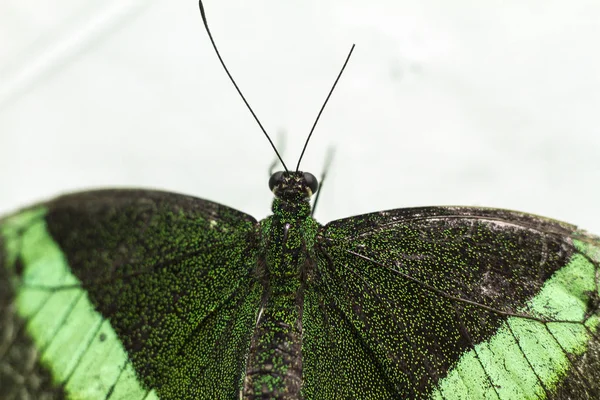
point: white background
(492, 103)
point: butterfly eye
(275, 179)
(311, 182)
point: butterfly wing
(452, 303)
(126, 294)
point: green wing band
(21, 375)
(526, 357)
(76, 344)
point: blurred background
(491, 103)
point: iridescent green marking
(76, 344)
(527, 357)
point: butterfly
(141, 294)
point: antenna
(203, 14)
(323, 106)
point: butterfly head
(293, 186)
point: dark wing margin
(453, 302)
(126, 294)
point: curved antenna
(323, 107)
(203, 14)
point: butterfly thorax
(274, 366)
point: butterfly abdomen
(274, 367)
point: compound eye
(311, 182)
(275, 179)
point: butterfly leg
(281, 145)
(328, 160)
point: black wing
(121, 292)
(452, 302)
